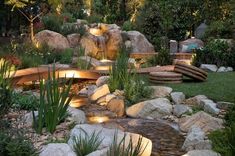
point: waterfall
(102, 46)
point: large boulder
(195, 140)
(202, 120)
(209, 67)
(91, 45)
(155, 108)
(180, 109)
(195, 101)
(76, 115)
(190, 44)
(102, 80)
(139, 43)
(57, 149)
(177, 97)
(117, 106)
(100, 92)
(201, 153)
(106, 136)
(73, 39)
(52, 39)
(161, 91)
(114, 43)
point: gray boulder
(155, 108)
(209, 106)
(201, 153)
(161, 91)
(177, 97)
(209, 67)
(102, 80)
(57, 149)
(180, 109)
(222, 69)
(77, 115)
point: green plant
(70, 28)
(162, 58)
(53, 104)
(122, 149)
(5, 86)
(86, 144)
(127, 26)
(52, 22)
(25, 101)
(83, 64)
(223, 141)
(215, 52)
(230, 116)
(15, 145)
(66, 56)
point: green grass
(218, 87)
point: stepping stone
(191, 71)
(165, 77)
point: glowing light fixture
(98, 119)
(96, 31)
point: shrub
(5, 86)
(25, 102)
(52, 22)
(53, 104)
(127, 26)
(15, 146)
(70, 28)
(215, 52)
(122, 149)
(87, 144)
(67, 17)
(162, 58)
(66, 56)
(83, 64)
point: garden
(117, 78)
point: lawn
(218, 87)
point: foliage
(70, 28)
(219, 29)
(52, 22)
(25, 102)
(5, 86)
(230, 116)
(83, 145)
(83, 64)
(76, 8)
(15, 145)
(94, 19)
(65, 57)
(215, 52)
(127, 26)
(162, 58)
(135, 88)
(53, 104)
(122, 149)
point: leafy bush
(15, 146)
(67, 17)
(83, 64)
(70, 28)
(5, 86)
(25, 102)
(215, 52)
(162, 58)
(122, 149)
(66, 56)
(87, 144)
(53, 104)
(52, 22)
(230, 116)
(127, 26)
(94, 19)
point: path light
(98, 119)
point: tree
(30, 12)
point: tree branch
(24, 14)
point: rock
(139, 43)
(107, 135)
(52, 39)
(102, 152)
(173, 46)
(113, 44)
(202, 120)
(102, 80)
(210, 107)
(195, 140)
(225, 105)
(155, 108)
(117, 106)
(99, 92)
(195, 101)
(90, 43)
(201, 153)
(77, 115)
(229, 69)
(209, 67)
(177, 97)
(161, 91)
(107, 27)
(190, 44)
(128, 44)
(94, 62)
(80, 22)
(57, 149)
(73, 39)
(179, 109)
(28, 118)
(222, 69)
(88, 90)
(109, 97)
